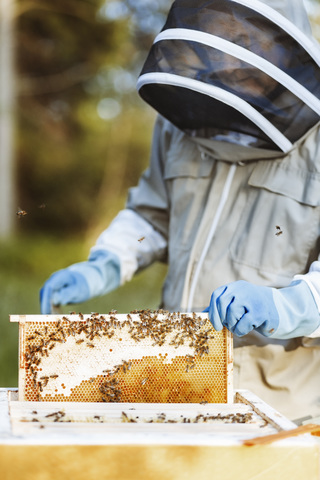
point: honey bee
(124, 417)
(50, 415)
(141, 239)
(279, 231)
(21, 213)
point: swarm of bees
(110, 392)
(234, 418)
(200, 418)
(155, 325)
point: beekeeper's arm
(283, 313)
(135, 239)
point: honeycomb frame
(140, 357)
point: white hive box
(63, 440)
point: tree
(83, 131)
(77, 62)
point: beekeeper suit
(231, 199)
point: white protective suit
(237, 196)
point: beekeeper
(231, 199)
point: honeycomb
(141, 357)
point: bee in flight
(21, 213)
(279, 231)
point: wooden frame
(180, 365)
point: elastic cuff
(101, 271)
(312, 279)
(315, 334)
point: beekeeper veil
(294, 10)
(243, 71)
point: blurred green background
(74, 136)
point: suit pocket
(279, 225)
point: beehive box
(151, 441)
(245, 416)
(141, 357)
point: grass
(25, 264)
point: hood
(238, 71)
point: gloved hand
(278, 313)
(81, 281)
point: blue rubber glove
(81, 281)
(278, 313)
